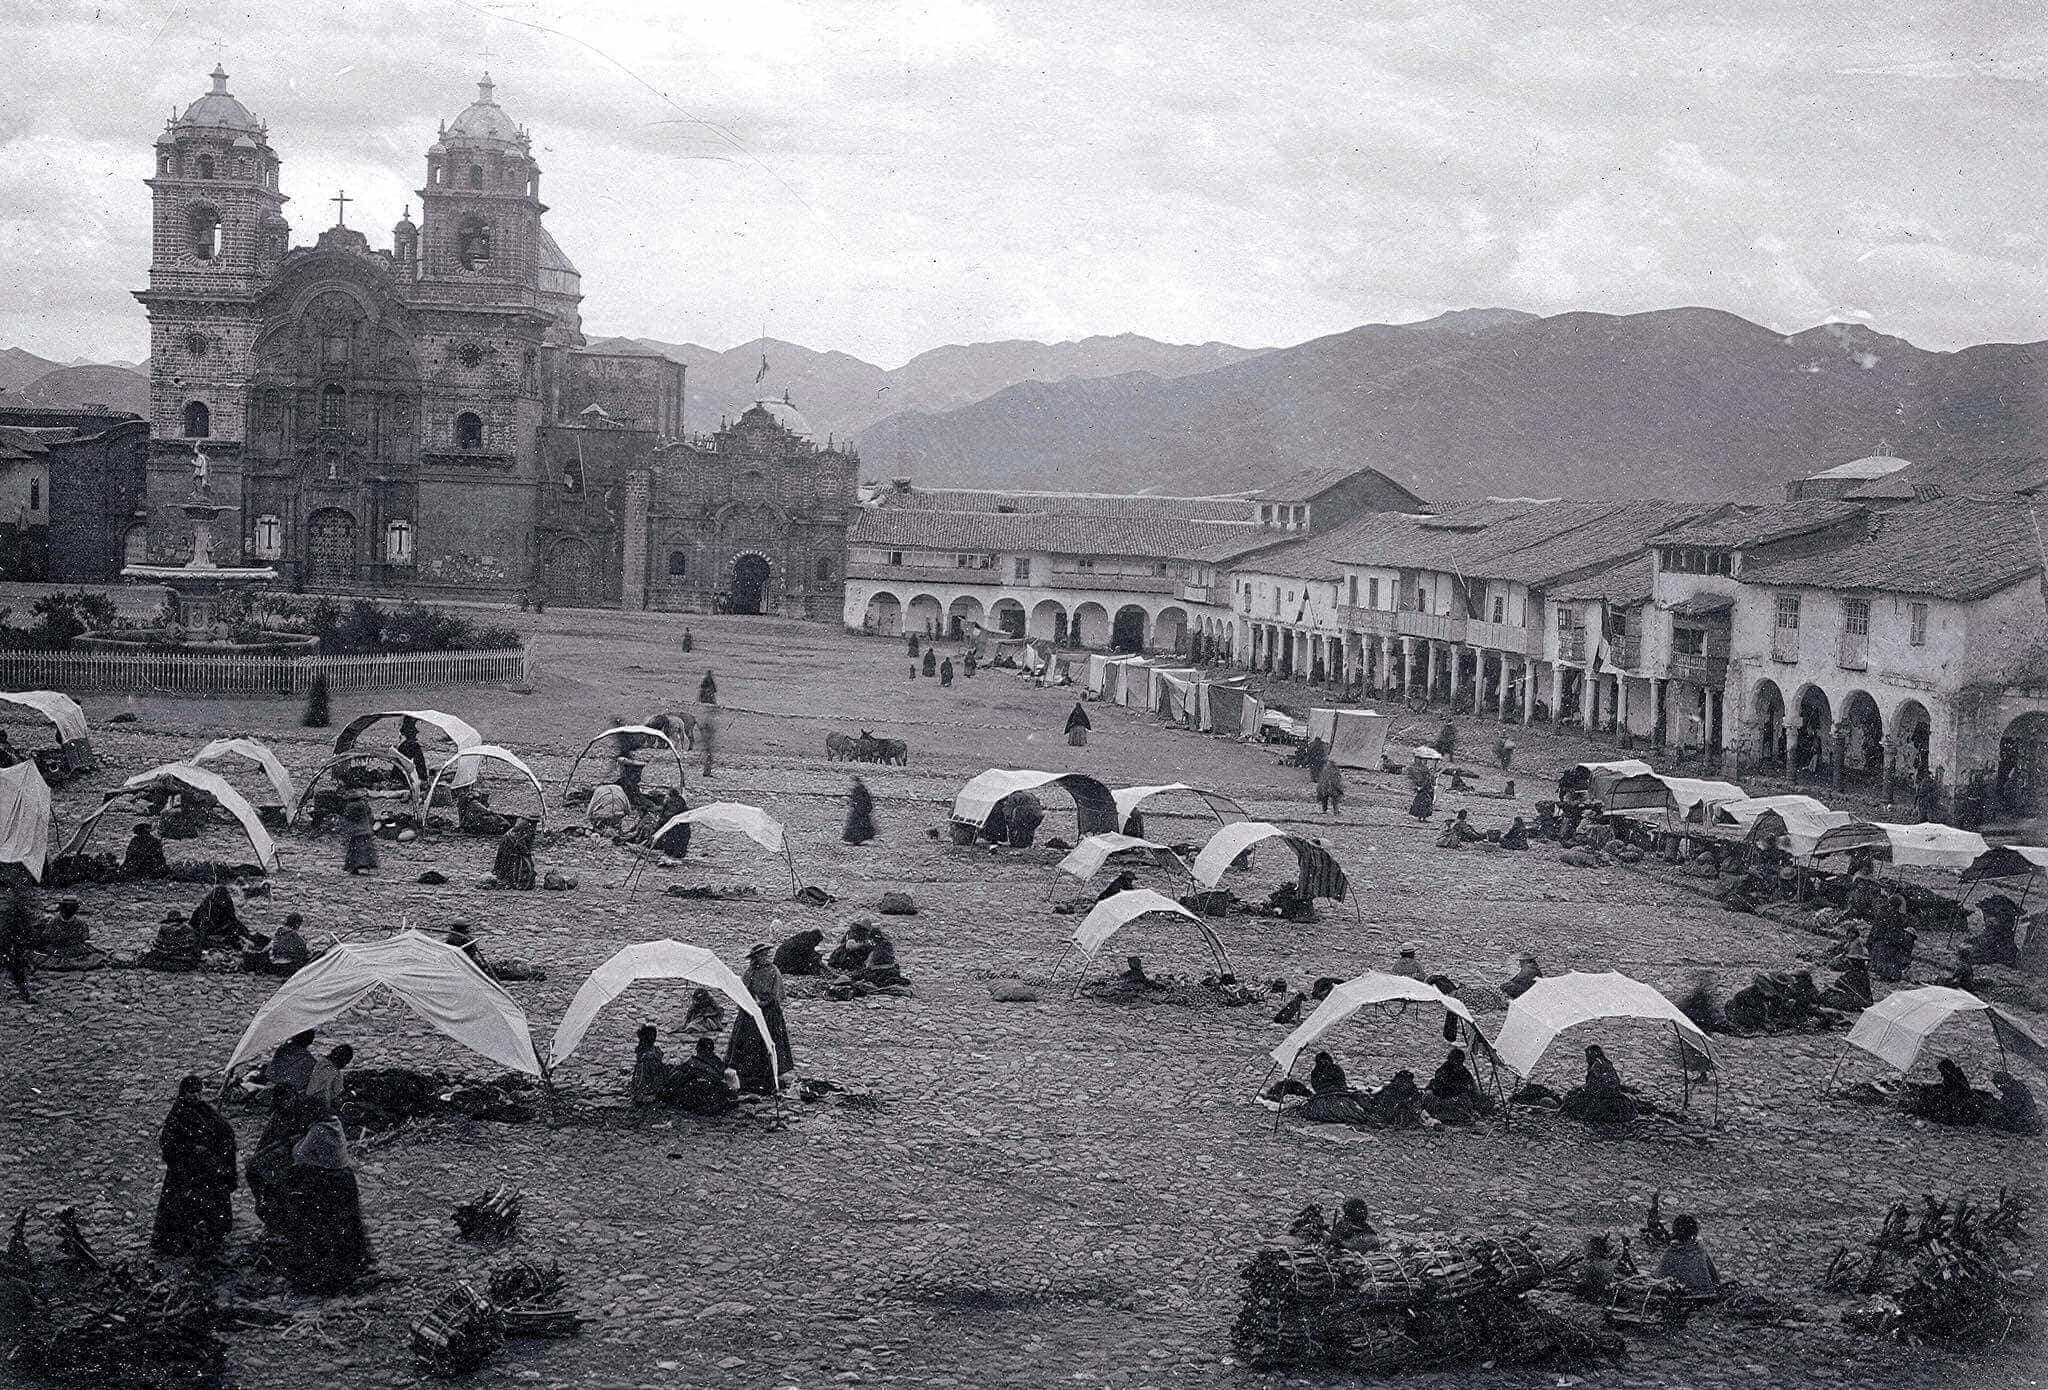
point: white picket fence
(252, 674)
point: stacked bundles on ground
(1414, 1304)
(1944, 1275)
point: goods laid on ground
(1950, 1272)
(378, 1099)
(491, 1215)
(1416, 1303)
(460, 1332)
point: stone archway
(962, 613)
(1912, 740)
(1812, 730)
(1863, 747)
(1008, 616)
(1768, 709)
(1127, 634)
(1170, 629)
(1091, 625)
(570, 575)
(1049, 622)
(2023, 766)
(924, 615)
(330, 547)
(750, 575)
(885, 614)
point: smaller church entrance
(749, 579)
(330, 546)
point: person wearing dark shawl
(798, 953)
(2015, 1109)
(860, 814)
(1447, 739)
(215, 921)
(1330, 787)
(1601, 1099)
(1423, 807)
(676, 843)
(327, 1245)
(650, 1069)
(881, 967)
(931, 662)
(513, 866)
(852, 951)
(1516, 836)
(1949, 1101)
(1453, 1078)
(1396, 1105)
(1527, 973)
(196, 1210)
(1077, 719)
(359, 825)
(1687, 1261)
(707, 690)
(144, 857)
(748, 1052)
(409, 747)
(703, 1085)
(946, 673)
(1122, 883)
(290, 1071)
(1353, 1229)
(1326, 1075)
(968, 662)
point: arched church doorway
(570, 575)
(749, 581)
(330, 546)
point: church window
(474, 242)
(198, 420)
(476, 176)
(204, 224)
(824, 567)
(333, 407)
(398, 542)
(269, 537)
(470, 355)
(196, 345)
(202, 167)
(678, 563)
(469, 430)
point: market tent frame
(1118, 911)
(457, 731)
(1319, 867)
(665, 959)
(1373, 988)
(1094, 804)
(1810, 835)
(415, 792)
(2007, 861)
(74, 736)
(1128, 799)
(1897, 1028)
(1355, 738)
(1599, 779)
(439, 983)
(197, 779)
(1555, 1003)
(738, 817)
(25, 817)
(1931, 845)
(647, 730)
(473, 756)
(259, 753)
(1085, 860)
(1732, 820)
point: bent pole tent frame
(472, 756)
(645, 730)
(365, 755)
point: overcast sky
(882, 178)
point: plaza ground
(1049, 1193)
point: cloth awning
(1744, 812)
(1094, 804)
(1119, 910)
(388, 756)
(1896, 1027)
(738, 817)
(1805, 834)
(197, 779)
(1128, 799)
(650, 960)
(1085, 860)
(1689, 794)
(457, 731)
(60, 709)
(644, 731)
(473, 756)
(438, 982)
(1356, 738)
(1932, 845)
(1557, 1002)
(258, 753)
(2010, 861)
(1351, 996)
(24, 817)
(1321, 875)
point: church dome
(218, 109)
(784, 414)
(483, 119)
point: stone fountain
(199, 586)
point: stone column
(1451, 650)
(1589, 698)
(1528, 692)
(633, 540)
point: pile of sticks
(492, 1215)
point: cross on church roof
(341, 201)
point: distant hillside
(840, 394)
(1689, 403)
(18, 368)
(119, 387)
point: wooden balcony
(1708, 671)
(1204, 593)
(1504, 637)
(1370, 620)
(1442, 627)
(1854, 651)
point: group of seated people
(1952, 1100)
(183, 939)
(1452, 1096)
(1460, 832)
(702, 1083)
(864, 960)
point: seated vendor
(65, 933)
(609, 810)
(706, 1014)
(176, 947)
(649, 1085)
(1353, 1230)
(2015, 1110)
(216, 922)
(1122, 883)
(1687, 1261)
(1601, 1098)
(1453, 1079)
(798, 953)
(1326, 1076)
(704, 1085)
(881, 967)
(852, 951)
(1516, 836)
(144, 857)
(1527, 973)
(288, 949)
(1951, 1100)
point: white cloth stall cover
(438, 982)
(197, 779)
(1356, 738)
(1085, 860)
(1557, 1002)
(60, 709)
(1931, 845)
(457, 731)
(1897, 1027)
(258, 753)
(1804, 834)
(1348, 998)
(24, 817)
(471, 757)
(1119, 910)
(1743, 813)
(1251, 717)
(1129, 799)
(1094, 803)
(750, 821)
(1154, 693)
(644, 731)
(650, 960)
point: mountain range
(1686, 403)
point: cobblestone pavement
(1048, 1193)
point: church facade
(427, 417)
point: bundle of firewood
(1414, 1303)
(493, 1215)
(458, 1334)
(529, 1298)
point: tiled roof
(1563, 538)
(1735, 526)
(19, 442)
(1984, 477)
(1072, 503)
(913, 528)
(1954, 548)
(1621, 586)
(1321, 556)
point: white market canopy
(643, 730)
(1806, 834)
(24, 817)
(1931, 845)
(60, 709)
(1322, 876)
(750, 821)
(1348, 998)
(196, 779)
(389, 756)
(1744, 813)
(1355, 738)
(1897, 1027)
(1558, 1002)
(1095, 810)
(1688, 793)
(255, 752)
(650, 960)
(438, 982)
(471, 757)
(1085, 860)
(458, 732)
(1119, 910)
(1128, 799)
